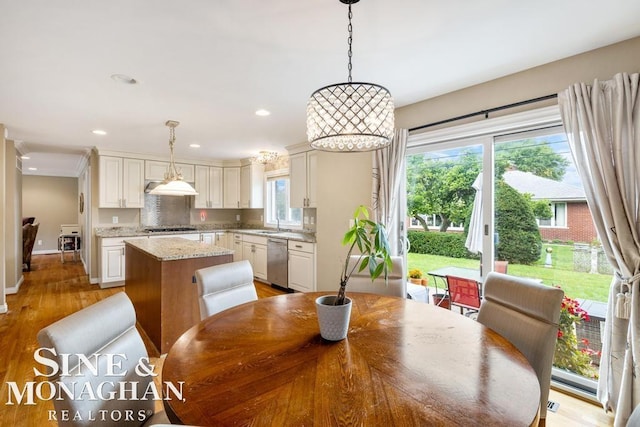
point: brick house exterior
(576, 224)
(580, 227)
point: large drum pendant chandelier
(350, 116)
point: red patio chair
(465, 293)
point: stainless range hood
(164, 210)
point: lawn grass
(575, 284)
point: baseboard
(111, 285)
(3, 308)
(45, 252)
(94, 280)
(14, 289)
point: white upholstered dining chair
(396, 284)
(102, 330)
(224, 286)
(526, 313)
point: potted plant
(415, 276)
(371, 240)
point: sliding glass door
(504, 195)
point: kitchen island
(159, 281)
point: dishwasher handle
(277, 241)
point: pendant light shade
(350, 116)
(173, 184)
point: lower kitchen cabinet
(112, 260)
(235, 243)
(254, 249)
(302, 266)
(218, 238)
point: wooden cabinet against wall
(302, 176)
(231, 183)
(252, 186)
(121, 182)
(209, 185)
(302, 266)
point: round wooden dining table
(403, 363)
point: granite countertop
(174, 248)
(135, 232)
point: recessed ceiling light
(263, 113)
(194, 145)
(25, 157)
(124, 79)
(99, 132)
(33, 169)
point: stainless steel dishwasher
(277, 262)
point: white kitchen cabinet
(231, 192)
(252, 186)
(209, 185)
(302, 178)
(236, 245)
(302, 266)
(121, 182)
(217, 238)
(155, 171)
(112, 260)
(254, 249)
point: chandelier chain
(350, 41)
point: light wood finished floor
(53, 290)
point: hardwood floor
(53, 290)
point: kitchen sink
(268, 232)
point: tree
(519, 239)
(531, 156)
(442, 188)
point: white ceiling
(212, 64)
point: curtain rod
(486, 112)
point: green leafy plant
(370, 238)
(567, 354)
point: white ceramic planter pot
(333, 319)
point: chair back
(29, 233)
(526, 313)
(224, 286)
(464, 292)
(395, 285)
(105, 328)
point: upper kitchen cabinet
(209, 186)
(251, 186)
(302, 177)
(231, 183)
(155, 171)
(121, 182)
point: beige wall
(344, 182)
(13, 218)
(53, 201)
(3, 304)
(533, 83)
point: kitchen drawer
(258, 240)
(302, 246)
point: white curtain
(602, 123)
(388, 165)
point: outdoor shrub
(519, 239)
(436, 243)
(567, 354)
